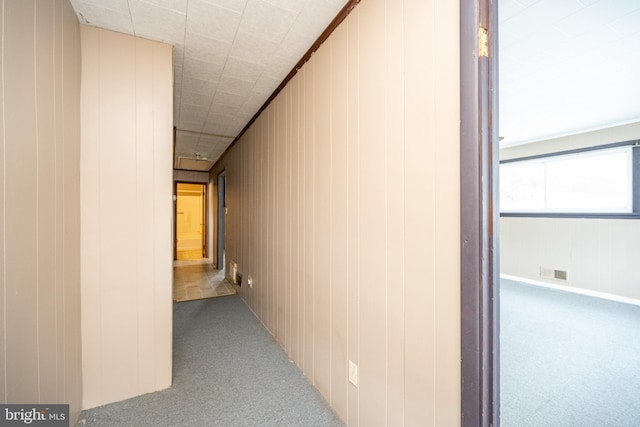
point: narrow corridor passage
(227, 371)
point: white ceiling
(567, 66)
(229, 55)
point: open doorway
(569, 177)
(191, 219)
(222, 220)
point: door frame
(479, 214)
(221, 223)
(205, 217)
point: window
(597, 182)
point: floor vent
(550, 273)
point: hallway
(227, 371)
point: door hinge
(483, 42)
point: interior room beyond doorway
(190, 221)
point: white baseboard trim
(580, 291)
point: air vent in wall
(551, 273)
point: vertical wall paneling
(372, 222)
(419, 216)
(162, 147)
(3, 283)
(446, 152)
(353, 207)
(126, 215)
(597, 253)
(69, 312)
(356, 238)
(46, 186)
(339, 226)
(293, 264)
(21, 190)
(322, 177)
(40, 197)
(309, 217)
(395, 153)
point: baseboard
(580, 291)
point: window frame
(635, 185)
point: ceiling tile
(237, 86)
(120, 6)
(291, 5)
(596, 15)
(194, 98)
(242, 70)
(212, 21)
(253, 49)
(202, 70)
(188, 137)
(527, 3)
(235, 5)
(213, 142)
(219, 121)
(179, 6)
(537, 17)
(266, 85)
(521, 53)
(314, 18)
(235, 128)
(193, 113)
(266, 21)
(508, 9)
(204, 87)
(217, 109)
(294, 46)
(280, 67)
(229, 99)
(189, 126)
(628, 24)
(206, 49)
(104, 18)
(150, 21)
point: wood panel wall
(40, 351)
(126, 202)
(343, 202)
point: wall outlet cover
(353, 373)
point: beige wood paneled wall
(40, 354)
(343, 202)
(126, 205)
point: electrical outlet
(250, 282)
(353, 373)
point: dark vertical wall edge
(479, 217)
(636, 177)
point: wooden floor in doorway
(199, 281)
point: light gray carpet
(567, 359)
(228, 371)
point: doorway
(222, 220)
(191, 218)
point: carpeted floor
(567, 359)
(228, 371)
